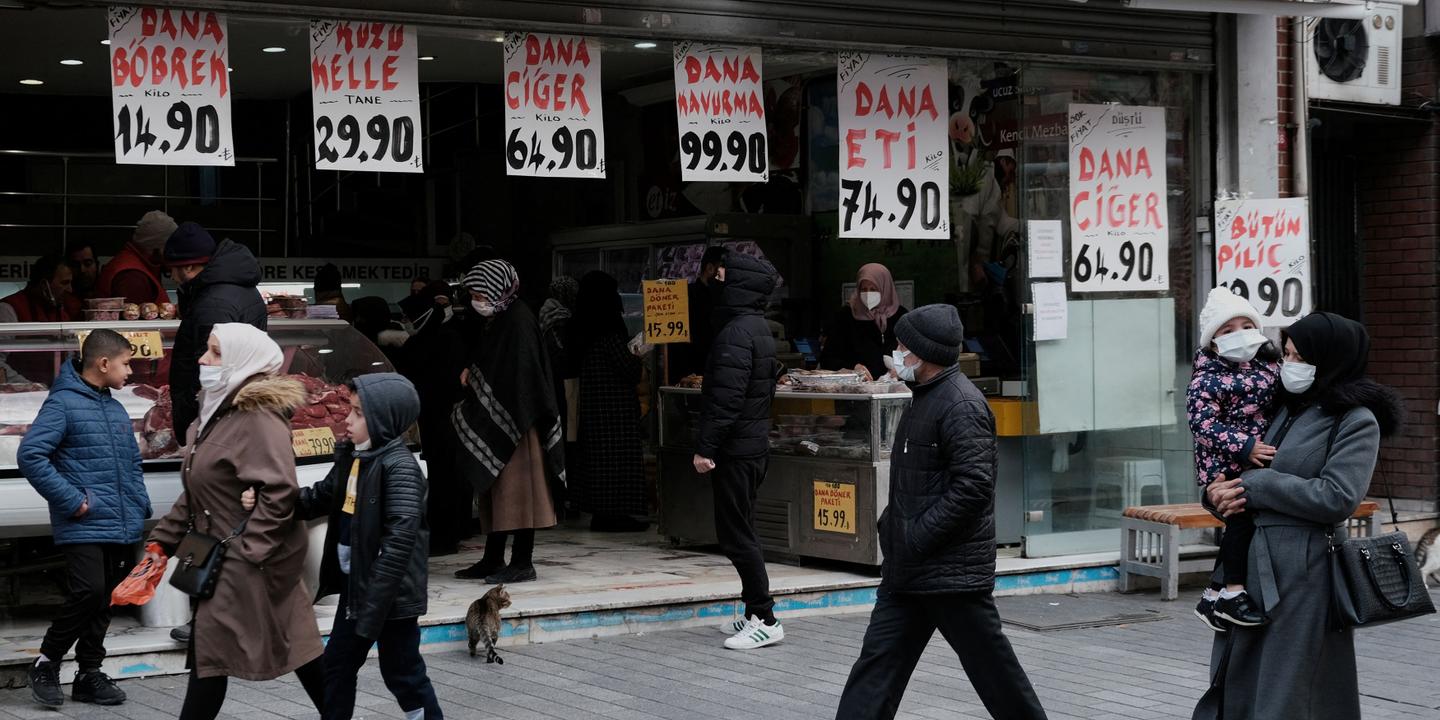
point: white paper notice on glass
(1052, 316)
(1047, 249)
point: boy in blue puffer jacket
(80, 455)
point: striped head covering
(497, 279)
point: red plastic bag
(139, 586)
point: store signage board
(170, 86)
(273, 270)
(894, 151)
(313, 442)
(720, 103)
(554, 123)
(1119, 219)
(834, 505)
(1262, 253)
(145, 344)
(667, 311)
(365, 91)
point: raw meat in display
(326, 406)
(157, 440)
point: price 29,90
(396, 137)
(578, 147)
(736, 152)
(200, 125)
(863, 205)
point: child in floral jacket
(1230, 402)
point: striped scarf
(497, 280)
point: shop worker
(938, 537)
(862, 335)
(329, 290)
(80, 455)
(134, 272)
(86, 271)
(44, 298)
(734, 438)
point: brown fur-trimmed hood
(276, 393)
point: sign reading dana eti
(170, 86)
(365, 92)
(1119, 219)
(554, 124)
(720, 105)
(1262, 253)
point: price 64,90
(201, 124)
(578, 148)
(1135, 263)
(733, 155)
(861, 199)
(396, 137)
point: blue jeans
(401, 666)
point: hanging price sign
(1262, 253)
(366, 93)
(144, 344)
(554, 124)
(721, 107)
(1119, 220)
(894, 155)
(170, 86)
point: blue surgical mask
(903, 371)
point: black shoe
(181, 634)
(97, 688)
(479, 571)
(45, 684)
(512, 574)
(1239, 610)
(1205, 610)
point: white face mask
(1241, 345)
(362, 447)
(871, 300)
(212, 376)
(903, 371)
(484, 308)
(1297, 377)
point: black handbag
(1375, 581)
(200, 555)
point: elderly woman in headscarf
(1327, 438)
(508, 423)
(862, 335)
(258, 625)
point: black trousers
(91, 572)
(900, 628)
(205, 696)
(401, 666)
(1234, 557)
(735, 482)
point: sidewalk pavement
(1142, 671)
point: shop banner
(170, 86)
(1119, 221)
(366, 92)
(1262, 253)
(894, 151)
(554, 124)
(720, 102)
(667, 311)
(302, 270)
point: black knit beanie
(932, 332)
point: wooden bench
(1150, 541)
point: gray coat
(1295, 667)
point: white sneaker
(755, 634)
(734, 626)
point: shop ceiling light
(427, 57)
(104, 42)
(646, 45)
(30, 81)
(273, 49)
(499, 38)
(71, 62)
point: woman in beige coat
(259, 624)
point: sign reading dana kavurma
(720, 104)
(365, 91)
(1262, 253)
(1119, 220)
(170, 86)
(554, 124)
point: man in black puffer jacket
(938, 536)
(734, 438)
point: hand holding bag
(1375, 581)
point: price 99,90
(578, 147)
(737, 152)
(202, 125)
(396, 137)
(863, 205)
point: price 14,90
(200, 125)
(1134, 263)
(863, 205)
(578, 147)
(736, 152)
(396, 137)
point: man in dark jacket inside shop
(734, 438)
(938, 536)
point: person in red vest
(134, 272)
(43, 299)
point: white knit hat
(1221, 307)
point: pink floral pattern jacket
(1230, 406)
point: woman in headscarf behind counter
(862, 335)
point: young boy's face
(355, 421)
(115, 370)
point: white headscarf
(244, 353)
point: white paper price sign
(170, 86)
(894, 153)
(554, 125)
(1262, 253)
(1119, 221)
(721, 107)
(366, 94)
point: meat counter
(827, 482)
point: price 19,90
(395, 137)
(863, 205)
(578, 147)
(672, 328)
(1288, 297)
(200, 125)
(736, 152)
(1134, 263)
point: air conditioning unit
(1354, 60)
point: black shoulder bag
(200, 555)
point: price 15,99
(736, 152)
(382, 135)
(863, 205)
(185, 125)
(578, 147)
(672, 328)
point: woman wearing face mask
(862, 335)
(508, 423)
(1327, 437)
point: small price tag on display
(553, 118)
(894, 152)
(721, 108)
(145, 344)
(834, 507)
(366, 93)
(667, 311)
(313, 442)
(170, 86)
(1262, 253)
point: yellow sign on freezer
(834, 505)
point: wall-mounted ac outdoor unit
(1354, 60)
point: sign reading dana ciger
(554, 123)
(1262, 253)
(170, 86)
(365, 91)
(720, 104)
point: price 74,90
(861, 200)
(203, 124)
(668, 329)
(396, 137)
(697, 147)
(578, 147)
(1141, 263)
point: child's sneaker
(1205, 610)
(45, 684)
(733, 627)
(97, 688)
(1240, 610)
(756, 634)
